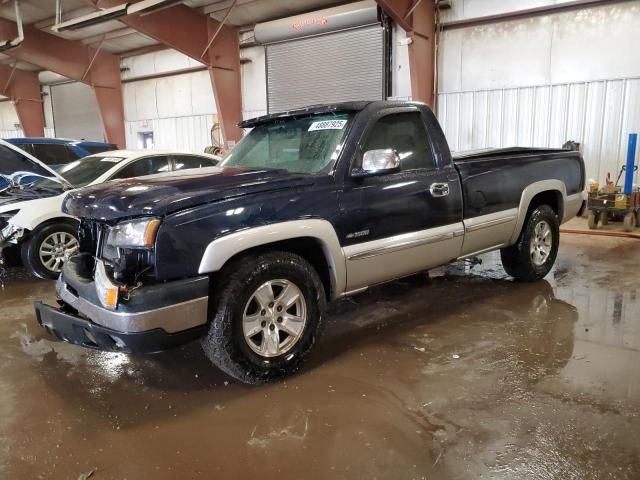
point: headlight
(6, 230)
(106, 289)
(134, 234)
(6, 216)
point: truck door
(405, 221)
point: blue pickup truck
(311, 206)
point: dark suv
(57, 152)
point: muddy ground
(463, 375)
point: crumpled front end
(96, 311)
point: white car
(31, 196)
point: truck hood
(159, 195)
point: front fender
(219, 251)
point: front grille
(89, 234)
(127, 265)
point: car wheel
(533, 255)
(592, 220)
(266, 317)
(44, 251)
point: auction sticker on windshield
(327, 125)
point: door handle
(439, 189)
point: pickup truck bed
(513, 169)
(312, 205)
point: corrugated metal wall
(190, 134)
(543, 80)
(598, 114)
(178, 109)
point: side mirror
(378, 162)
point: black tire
(518, 260)
(225, 344)
(604, 218)
(629, 222)
(592, 220)
(30, 249)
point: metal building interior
(433, 364)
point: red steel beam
(72, 59)
(189, 31)
(23, 88)
(417, 18)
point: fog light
(106, 289)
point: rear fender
(527, 196)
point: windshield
(300, 145)
(84, 171)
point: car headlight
(6, 216)
(134, 234)
(7, 230)
(106, 289)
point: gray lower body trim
(382, 260)
(405, 245)
(488, 232)
(171, 319)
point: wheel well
(308, 248)
(69, 221)
(553, 198)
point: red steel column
(74, 60)
(189, 31)
(417, 18)
(422, 53)
(23, 88)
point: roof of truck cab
(327, 108)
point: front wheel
(43, 253)
(535, 252)
(266, 317)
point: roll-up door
(335, 67)
(75, 112)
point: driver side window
(144, 166)
(404, 133)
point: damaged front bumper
(153, 318)
(10, 235)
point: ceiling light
(95, 18)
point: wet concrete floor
(465, 375)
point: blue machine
(631, 159)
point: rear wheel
(266, 317)
(604, 218)
(44, 251)
(592, 220)
(533, 255)
(629, 222)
